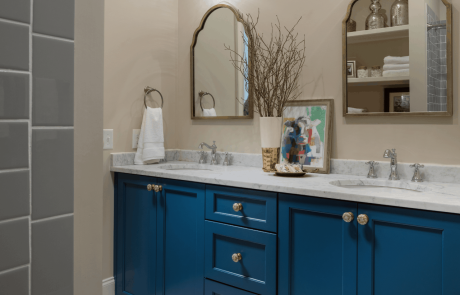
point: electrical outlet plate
(136, 133)
(108, 139)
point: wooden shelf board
(378, 34)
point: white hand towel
(396, 67)
(396, 73)
(396, 60)
(356, 111)
(150, 148)
(209, 112)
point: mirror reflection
(397, 57)
(219, 89)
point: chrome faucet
(393, 164)
(213, 154)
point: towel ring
(202, 94)
(148, 90)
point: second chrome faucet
(393, 163)
(213, 153)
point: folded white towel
(396, 73)
(396, 60)
(356, 111)
(209, 112)
(150, 147)
(396, 67)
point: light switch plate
(108, 139)
(136, 133)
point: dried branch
(272, 69)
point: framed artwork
(391, 92)
(307, 134)
(351, 69)
(400, 102)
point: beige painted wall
(133, 50)
(140, 50)
(428, 140)
(89, 73)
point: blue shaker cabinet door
(181, 238)
(404, 251)
(316, 248)
(135, 235)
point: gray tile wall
(36, 146)
(436, 64)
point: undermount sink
(380, 185)
(188, 167)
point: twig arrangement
(271, 69)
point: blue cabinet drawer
(214, 288)
(258, 208)
(255, 271)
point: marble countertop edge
(439, 197)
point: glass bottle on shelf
(375, 20)
(399, 13)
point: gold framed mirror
(397, 58)
(218, 90)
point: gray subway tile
(52, 172)
(14, 243)
(14, 143)
(54, 17)
(52, 256)
(53, 78)
(15, 282)
(14, 51)
(14, 95)
(17, 10)
(15, 194)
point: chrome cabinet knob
(237, 207)
(158, 188)
(149, 187)
(348, 217)
(236, 257)
(363, 219)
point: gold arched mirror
(397, 58)
(218, 89)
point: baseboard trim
(108, 286)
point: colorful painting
(304, 135)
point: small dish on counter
(290, 174)
(290, 170)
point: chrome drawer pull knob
(237, 207)
(363, 219)
(348, 217)
(236, 257)
(149, 187)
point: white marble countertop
(442, 197)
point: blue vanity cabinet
(405, 251)
(159, 237)
(136, 214)
(317, 250)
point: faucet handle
(372, 165)
(226, 161)
(417, 175)
(417, 166)
(202, 157)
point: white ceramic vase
(270, 132)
